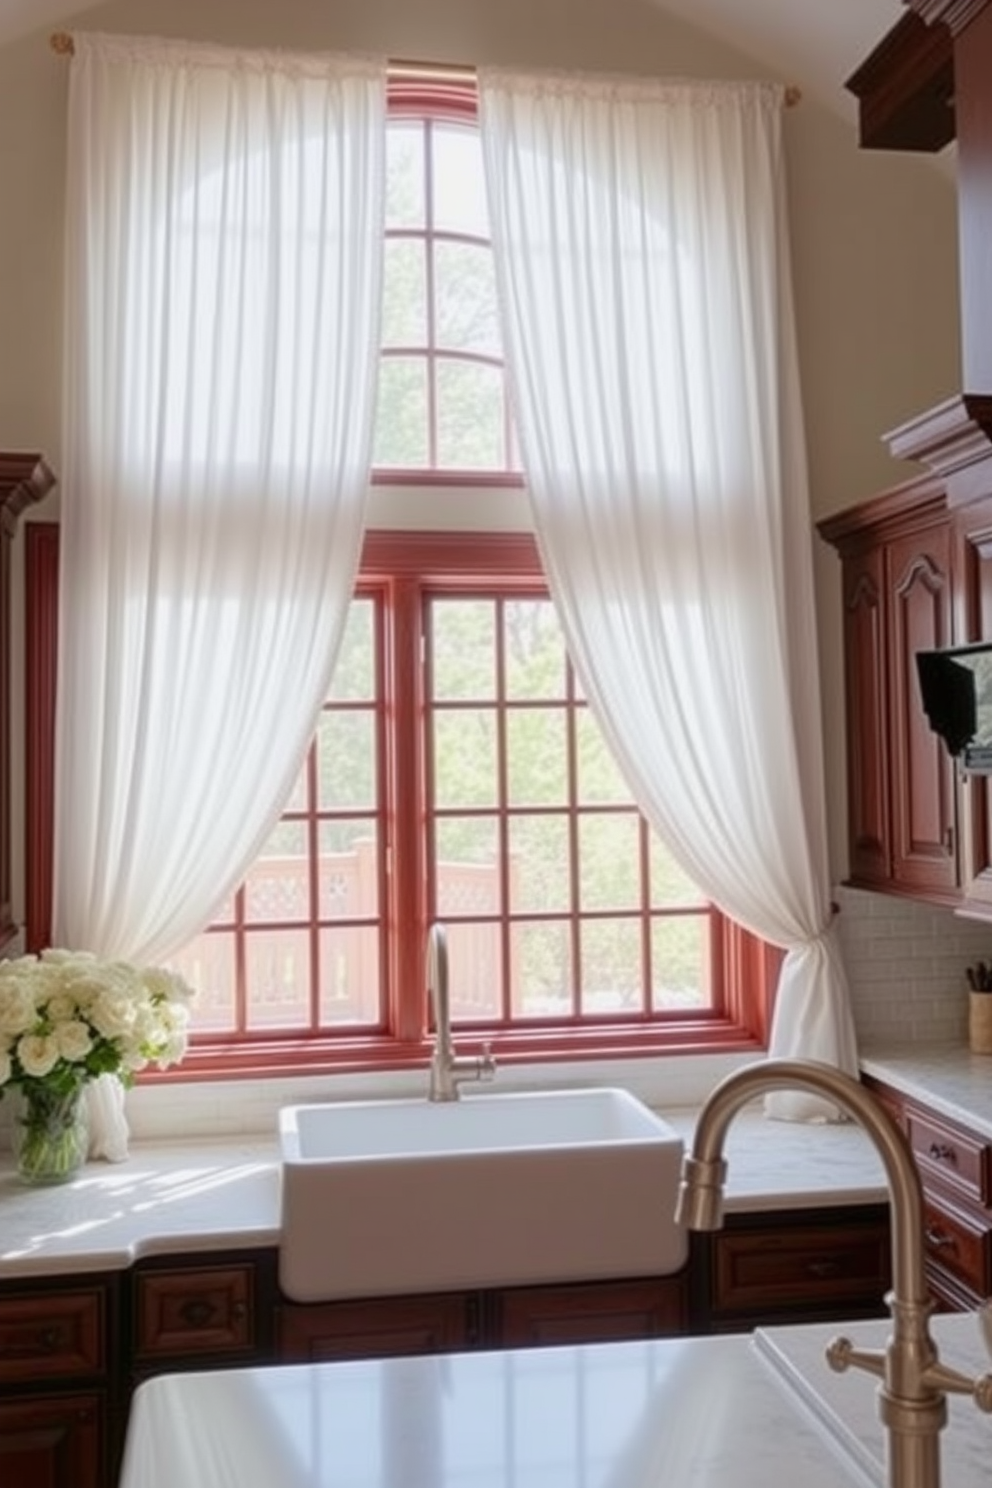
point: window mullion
(404, 705)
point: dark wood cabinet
(213, 1312)
(972, 561)
(599, 1312)
(917, 562)
(803, 1266)
(922, 800)
(57, 1385)
(379, 1327)
(511, 1317)
(955, 1166)
(53, 1441)
(897, 586)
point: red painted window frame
(747, 968)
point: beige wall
(873, 235)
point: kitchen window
(456, 772)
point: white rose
(60, 1007)
(111, 1015)
(167, 986)
(133, 1053)
(73, 1040)
(38, 1054)
(17, 1009)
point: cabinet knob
(938, 1239)
(197, 1312)
(942, 1152)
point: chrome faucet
(912, 1401)
(448, 1070)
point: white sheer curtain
(643, 273)
(224, 244)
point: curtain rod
(62, 43)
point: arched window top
(443, 410)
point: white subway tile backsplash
(906, 967)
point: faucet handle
(487, 1064)
(842, 1355)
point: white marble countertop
(201, 1196)
(178, 1196)
(684, 1413)
(846, 1405)
(204, 1195)
(949, 1078)
(749, 1411)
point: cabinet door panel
(867, 722)
(51, 1442)
(605, 1312)
(378, 1328)
(923, 805)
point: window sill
(160, 1110)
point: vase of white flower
(67, 1018)
(50, 1133)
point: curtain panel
(642, 265)
(225, 220)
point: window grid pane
(522, 784)
(442, 402)
(299, 946)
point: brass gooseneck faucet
(448, 1070)
(914, 1385)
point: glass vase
(50, 1133)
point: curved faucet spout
(704, 1169)
(447, 1069)
(912, 1395)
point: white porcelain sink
(394, 1196)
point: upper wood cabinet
(926, 82)
(24, 479)
(972, 563)
(917, 574)
(896, 556)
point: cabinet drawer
(605, 1312)
(45, 1337)
(960, 1160)
(958, 1243)
(808, 1267)
(381, 1327)
(208, 1310)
